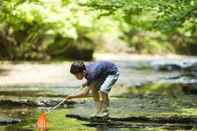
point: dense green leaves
(37, 29)
(35, 24)
(53, 16)
(175, 19)
(163, 15)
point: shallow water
(147, 105)
(134, 101)
(56, 122)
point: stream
(152, 94)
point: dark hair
(77, 67)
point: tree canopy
(163, 15)
(45, 28)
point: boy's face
(79, 76)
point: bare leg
(95, 93)
(96, 98)
(104, 101)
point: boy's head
(78, 69)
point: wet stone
(139, 121)
(32, 103)
(9, 121)
(175, 65)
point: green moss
(58, 121)
(159, 88)
(189, 111)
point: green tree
(35, 25)
(174, 18)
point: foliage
(146, 42)
(155, 14)
(44, 29)
(35, 24)
(174, 18)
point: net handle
(62, 101)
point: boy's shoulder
(104, 62)
(99, 64)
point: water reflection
(105, 128)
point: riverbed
(147, 94)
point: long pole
(61, 102)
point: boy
(100, 76)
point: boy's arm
(84, 93)
(87, 83)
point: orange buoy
(42, 121)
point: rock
(8, 121)
(173, 122)
(174, 65)
(163, 120)
(166, 67)
(32, 103)
(179, 79)
(49, 103)
(171, 119)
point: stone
(9, 121)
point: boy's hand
(67, 98)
